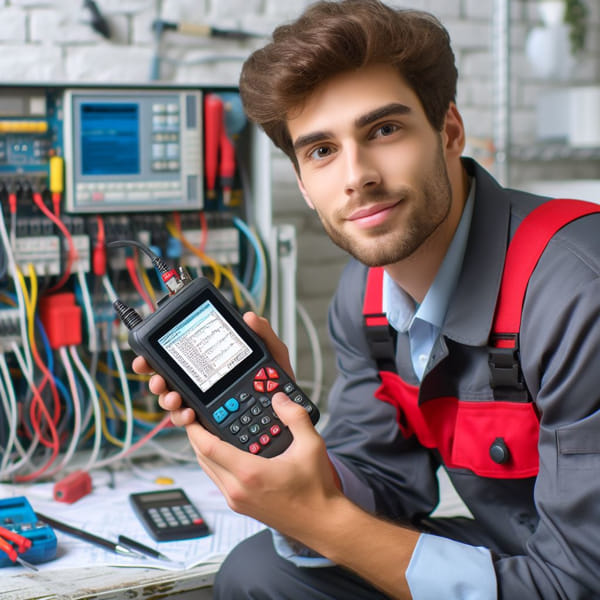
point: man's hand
(171, 401)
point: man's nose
(361, 170)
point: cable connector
(169, 276)
(129, 316)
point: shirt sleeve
(302, 556)
(444, 568)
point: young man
(361, 97)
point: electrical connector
(74, 486)
(61, 318)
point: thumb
(291, 413)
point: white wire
(110, 290)
(128, 407)
(88, 310)
(64, 357)
(28, 376)
(12, 265)
(95, 404)
(9, 402)
(313, 338)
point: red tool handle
(23, 543)
(6, 547)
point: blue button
(220, 414)
(232, 405)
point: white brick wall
(50, 40)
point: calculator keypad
(169, 517)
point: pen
(88, 537)
(137, 546)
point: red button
(259, 386)
(254, 448)
(275, 430)
(272, 373)
(261, 374)
(272, 386)
(264, 439)
(198, 521)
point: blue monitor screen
(110, 139)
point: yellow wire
(32, 305)
(111, 411)
(139, 413)
(8, 300)
(207, 259)
(104, 368)
(21, 279)
(218, 269)
(145, 280)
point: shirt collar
(401, 309)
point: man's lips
(372, 215)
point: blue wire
(258, 273)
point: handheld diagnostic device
(205, 351)
(168, 515)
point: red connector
(61, 318)
(73, 487)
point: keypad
(248, 414)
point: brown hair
(332, 37)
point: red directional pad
(265, 380)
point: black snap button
(499, 451)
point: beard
(427, 208)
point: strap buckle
(505, 368)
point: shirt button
(422, 358)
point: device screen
(109, 139)
(205, 345)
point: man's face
(371, 165)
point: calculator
(168, 515)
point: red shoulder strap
(373, 300)
(523, 254)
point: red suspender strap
(380, 337)
(373, 300)
(524, 251)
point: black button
(499, 451)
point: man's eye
(320, 153)
(386, 129)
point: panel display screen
(205, 346)
(110, 142)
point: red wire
(72, 256)
(54, 444)
(204, 227)
(132, 270)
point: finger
(140, 365)
(292, 415)
(276, 347)
(157, 385)
(170, 401)
(182, 417)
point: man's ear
(453, 132)
(304, 192)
